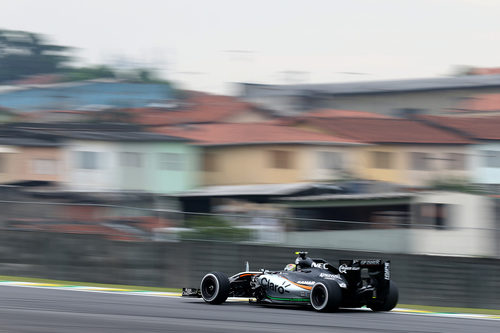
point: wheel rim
(319, 296)
(209, 287)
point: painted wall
(105, 175)
(8, 163)
(253, 164)
(482, 173)
(468, 226)
(401, 170)
(31, 163)
(113, 173)
(38, 163)
(155, 178)
(467, 231)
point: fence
(135, 219)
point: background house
(29, 157)
(100, 157)
(400, 151)
(394, 97)
(437, 223)
(484, 154)
(256, 153)
(89, 95)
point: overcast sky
(207, 44)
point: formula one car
(309, 282)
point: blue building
(85, 95)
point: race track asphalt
(50, 310)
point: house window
(171, 161)
(281, 159)
(456, 161)
(87, 160)
(329, 160)
(491, 158)
(44, 166)
(433, 215)
(131, 159)
(420, 161)
(382, 160)
(209, 162)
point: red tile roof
(386, 131)
(249, 133)
(484, 71)
(333, 113)
(39, 79)
(480, 128)
(198, 108)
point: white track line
(123, 291)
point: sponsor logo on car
(370, 262)
(276, 287)
(387, 271)
(344, 268)
(328, 276)
(306, 282)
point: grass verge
(438, 309)
(445, 309)
(88, 284)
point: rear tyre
(215, 288)
(326, 296)
(390, 301)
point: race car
(309, 282)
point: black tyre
(215, 288)
(390, 300)
(326, 296)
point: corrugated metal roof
(370, 87)
(361, 196)
(84, 131)
(257, 189)
(28, 142)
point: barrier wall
(428, 280)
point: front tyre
(326, 296)
(390, 300)
(215, 288)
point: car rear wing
(377, 269)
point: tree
(25, 53)
(89, 73)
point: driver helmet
(303, 262)
(291, 267)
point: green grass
(88, 284)
(443, 309)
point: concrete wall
(430, 280)
(387, 240)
